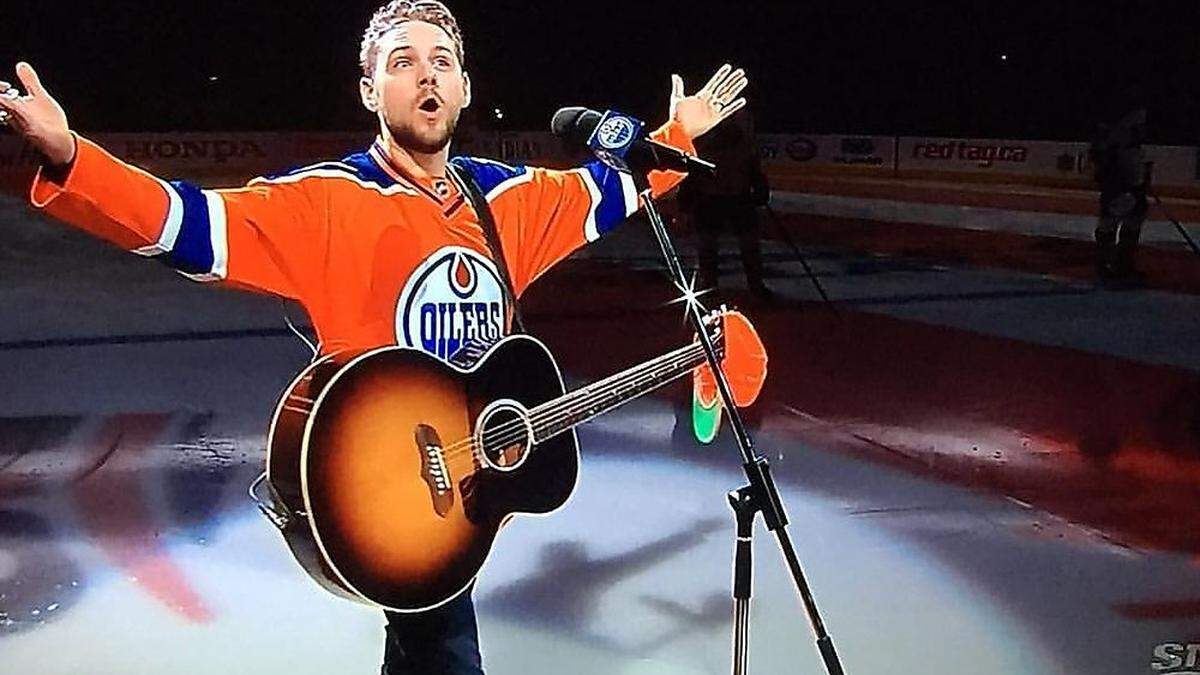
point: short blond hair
(396, 12)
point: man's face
(418, 86)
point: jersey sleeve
(543, 215)
(267, 237)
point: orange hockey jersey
(375, 256)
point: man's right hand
(38, 117)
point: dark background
(903, 67)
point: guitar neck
(566, 412)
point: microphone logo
(615, 132)
(613, 137)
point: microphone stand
(760, 494)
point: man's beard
(406, 137)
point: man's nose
(427, 76)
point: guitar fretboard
(581, 405)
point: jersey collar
(441, 191)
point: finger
(728, 89)
(731, 92)
(732, 108)
(8, 101)
(730, 76)
(676, 86)
(29, 78)
(11, 102)
(715, 80)
(9, 92)
(7, 115)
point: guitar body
(392, 504)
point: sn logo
(1176, 659)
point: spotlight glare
(690, 296)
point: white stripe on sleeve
(218, 238)
(629, 193)
(171, 225)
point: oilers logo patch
(452, 298)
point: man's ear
(366, 90)
(466, 89)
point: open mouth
(430, 105)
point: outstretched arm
(266, 237)
(555, 212)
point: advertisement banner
(1174, 165)
(980, 156)
(826, 151)
(233, 158)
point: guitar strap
(467, 185)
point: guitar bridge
(434, 470)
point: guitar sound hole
(503, 435)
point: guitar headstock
(714, 324)
(742, 354)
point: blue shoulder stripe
(359, 165)
(490, 174)
(368, 170)
(320, 166)
(613, 207)
(618, 196)
(193, 251)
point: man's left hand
(705, 109)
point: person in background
(1124, 181)
(728, 201)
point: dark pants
(442, 641)
(714, 215)
(1120, 227)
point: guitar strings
(495, 438)
(566, 408)
(563, 410)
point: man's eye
(442, 63)
(398, 63)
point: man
(380, 247)
(728, 201)
(1123, 179)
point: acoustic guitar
(394, 471)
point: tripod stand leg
(744, 509)
(812, 277)
(1178, 226)
(741, 636)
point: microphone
(618, 140)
